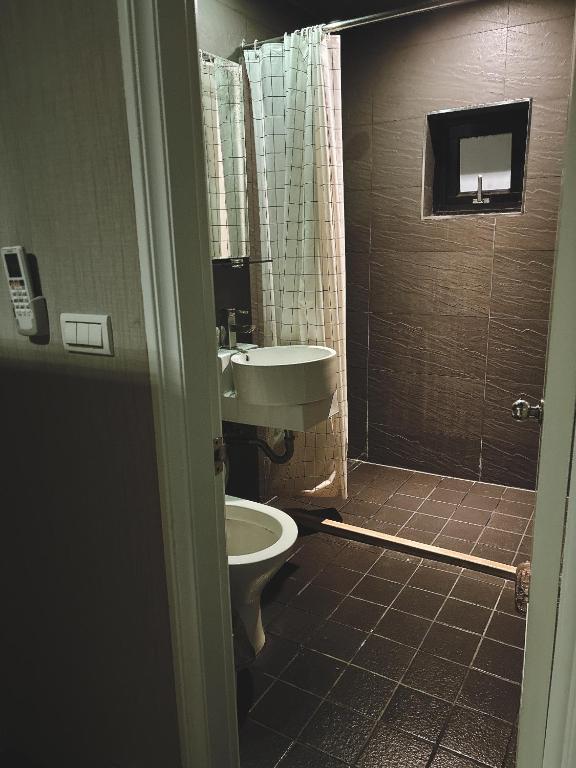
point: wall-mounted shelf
(244, 261)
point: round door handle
(522, 410)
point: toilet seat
(265, 532)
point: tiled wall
(448, 319)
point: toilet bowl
(259, 540)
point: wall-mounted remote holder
(29, 310)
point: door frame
(547, 735)
(161, 83)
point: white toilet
(259, 540)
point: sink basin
(290, 375)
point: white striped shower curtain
(296, 108)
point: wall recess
(475, 159)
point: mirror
(222, 90)
(489, 157)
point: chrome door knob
(522, 410)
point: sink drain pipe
(276, 458)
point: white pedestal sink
(289, 375)
(290, 387)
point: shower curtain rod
(398, 13)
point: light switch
(70, 333)
(94, 335)
(89, 334)
(82, 334)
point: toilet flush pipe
(275, 458)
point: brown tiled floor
(381, 660)
(491, 521)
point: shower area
(395, 198)
(447, 308)
(447, 314)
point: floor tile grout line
(432, 622)
(459, 505)
(435, 619)
(346, 664)
(470, 667)
(473, 543)
(349, 663)
(481, 635)
(369, 572)
(467, 675)
(442, 478)
(419, 648)
(426, 498)
(368, 634)
(397, 683)
(385, 608)
(434, 566)
(528, 557)
(445, 477)
(294, 740)
(286, 751)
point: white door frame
(161, 83)
(161, 80)
(548, 711)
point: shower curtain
(296, 116)
(224, 142)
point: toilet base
(259, 540)
(251, 617)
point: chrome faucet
(228, 333)
(231, 328)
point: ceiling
(335, 10)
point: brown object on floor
(523, 573)
(322, 520)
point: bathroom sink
(289, 375)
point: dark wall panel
(448, 318)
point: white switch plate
(93, 333)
